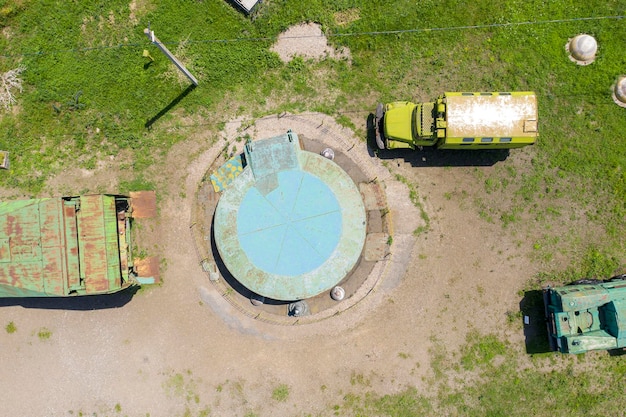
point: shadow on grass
(86, 302)
(169, 107)
(535, 332)
(431, 157)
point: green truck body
(590, 315)
(56, 247)
(459, 121)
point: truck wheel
(378, 128)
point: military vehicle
(69, 246)
(588, 315)
(459, 121)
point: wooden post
(150, 34)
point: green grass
(89, 93)
(545, 386)
(481, 350)
(44, 334)
(592, 263)
(117, 94)
(280, 393)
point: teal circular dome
(294, 228)
(292, 225)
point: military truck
(588, 315)
(466, 120)
(69, 246)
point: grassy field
(90, 93)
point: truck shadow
(533, 316)
(88, 302)
(430, 157)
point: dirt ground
(180, 349)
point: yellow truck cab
(466, 120)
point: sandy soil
(307, 41)
(181, 349)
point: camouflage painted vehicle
(587, 315)
(68, 246)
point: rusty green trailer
(55, 247)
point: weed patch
(415, 199)
(280, 393)
(44, 334)
(481, 350)
(10, 328)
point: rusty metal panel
(70, 207)
(50, 225)
(98, 243)
(63, 246)
(143, 204)
(30, 254)
(147, 268)
(123, 241)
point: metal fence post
(150, 34)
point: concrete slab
(376, 247)
(373, 196)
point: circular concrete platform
(383, 260)
(290, 234)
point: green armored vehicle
(459, 121)
(589, 315)
(56, 247)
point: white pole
(150, 34)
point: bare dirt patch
(306, 40)
(138, 8)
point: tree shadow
(535, 324)
(86, 302)
(432, 157)
(167, 108)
